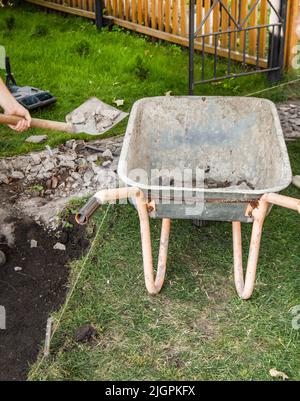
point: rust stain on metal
(151, 206)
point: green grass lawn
(197, 328)
(67, 56)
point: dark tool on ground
(28, 96)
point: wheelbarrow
(204, 158)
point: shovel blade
(94, 117)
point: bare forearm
(7, 100)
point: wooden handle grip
(38, 123)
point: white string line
(273, 87)
(57, 325)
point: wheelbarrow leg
(245, 286)
(153, 284)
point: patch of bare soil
(32, 282)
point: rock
(20, 163)
(33, 243)
(81, 162)
(114, 165)
(70, 156)
(34, 194)
(296, 181)
(67, 163)
(71, 144)
(59, 246)
(106, 163)
(92, 158)
(95, 168)
(36, 138)
(85, 333)
(48, 166)
(49, 184)
(36, 159)
(54, 182)
(18, 269)
(109, 113)
(76, 176)
(78, 118)
(88, 177)
(3, 165)
(107, 155)
(17, 175)
(35, 169)
(4, 179)
(49, 150)
(2, 258)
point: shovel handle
(38, 123)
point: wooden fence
(169, 20)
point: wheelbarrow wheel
(200, 223)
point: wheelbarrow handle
(106, 195)
(283, 201)
(38, 123)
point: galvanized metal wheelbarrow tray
(234, 144)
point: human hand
(15, 108)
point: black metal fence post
(99, 14)
(277, 39)
(191, 45)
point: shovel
(93, 117)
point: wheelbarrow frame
(257, 212)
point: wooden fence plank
(207, 27)
(146, 13)
(108, 7)
(225, 24)
(198, 13)
(133, 11)
(263, 32)
(175, 17)
(120, 9)
(160, 15)
(235, 13)
(243, 11)
(115, 7)
(153, 14)
(127, 9)
(253, 32)
(140, 12)
(183, 14)
(216, 21)
(167, 16)
(90, 5)
(291, 34)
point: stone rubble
(289, 114)
(52, 177)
